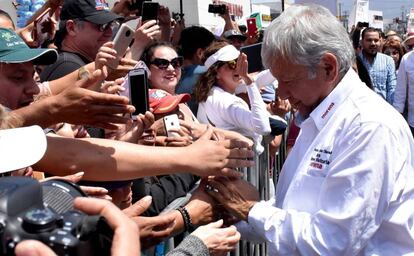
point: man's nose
(31, 88)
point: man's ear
(330, 67)
(71, 28)
(199, 54)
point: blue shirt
(382, 73)
(189, 78)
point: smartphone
(149, 11)
(171, 125)
(122, 40)
(251, 27)
(254, 56)
(135, 5)
(217, 8)
(138, 90)
(40, 27)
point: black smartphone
(149, 11)
(254, 56)
(138, 90)
(135, 5)
(217, 8)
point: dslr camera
(44, 212)
(217, 8)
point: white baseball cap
(21, 147)
(227, 53)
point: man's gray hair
(303, 34)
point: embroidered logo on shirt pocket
(319, 161)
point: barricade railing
(263, 175)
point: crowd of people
(346, 187)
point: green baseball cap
(14, 50)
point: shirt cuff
(261, 213)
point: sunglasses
(232, 64)
(164, 64)
(102, 27)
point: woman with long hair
(215, 93)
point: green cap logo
(7, 36)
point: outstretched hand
(152, 229)
(78, 105)
(218, 240)
(236, 195)
(218, 158)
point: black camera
(44, 212)
(217, 8)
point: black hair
(356, 34)
(150, 49)
(369, 29)
(193, 38)
(243, 29)
(363, 72)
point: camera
(217, 8)
(44, 212)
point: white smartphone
(122, 40)
(172, 124)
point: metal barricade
(263, 176)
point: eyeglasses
(164, 64)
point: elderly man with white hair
(347, 187)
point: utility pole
(283, 5)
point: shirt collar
(325, 110)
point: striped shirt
(382, 73)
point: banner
(359, 13)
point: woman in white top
(215, 92)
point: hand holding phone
(251, 27)
(149, 11)
(122, 40)
(171, 125)
(217, 8)
(138, 90)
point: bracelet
(188, 224)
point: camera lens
(128, 33)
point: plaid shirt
(382, 73)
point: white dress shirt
(347, 187)
(405, 83)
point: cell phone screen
(149, 11)
(254, 57)
(138, 90)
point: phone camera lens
(128, 33)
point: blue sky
(390, 8)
